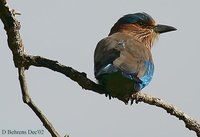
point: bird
(123, 62)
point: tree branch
(12, 26)
(24, 61)
(190, 123)
(27, 100)
(79, 77)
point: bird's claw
(133, 98)
(108, 95)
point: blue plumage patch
(139, 83)
(145, 80)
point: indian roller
(123, 61)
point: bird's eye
(141, 23)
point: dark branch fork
(24, 61)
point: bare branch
(27, 100)
(23, 61)
(12, 27)
(190, 123)
(79, 77)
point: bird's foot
(108, 95)
(134, 97)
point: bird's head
(142, 26)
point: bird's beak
(163, 28)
